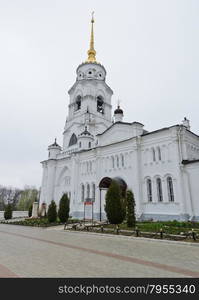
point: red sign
(88, 203)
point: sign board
(88, 209)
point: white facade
(160, 167)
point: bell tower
(90, 100)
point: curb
(133, 238)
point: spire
(91, 52)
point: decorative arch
(64, 172)
(106, 182)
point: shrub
(30, 211)
(64, 207)
(114, 205)
(52, 212)
(8, 212)
(130, 211)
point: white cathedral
(161, 167)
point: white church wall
(192, 172)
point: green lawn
(170, 227)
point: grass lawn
(170, 227)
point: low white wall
(15, 214)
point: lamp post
(100, 204)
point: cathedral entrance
(104, 185)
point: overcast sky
(149, 48)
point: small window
(113, 162)
(122, 160)
(90, 72)
(170, 189)
(93, 192)
(153, 153)
(149, 190)
(159, 153)
(88, 191)
(117, 160)
(100, 104)
(80, 144)
(159, 189)
(89, 145)
(82, 196)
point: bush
(64, 207)
(30, 211)
(8, 212)
(114, 206)
(52, 212)
(130, 209)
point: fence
(16, 214)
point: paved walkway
(37, 252)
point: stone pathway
(53, 252)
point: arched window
(159, 153)
(153, 153)
(149, 190)
(122, 160)
(88, 191)
(80, 144)
(170, 189)
(113, 162)
(78, 102)
(89, 144)
(93, 192)
(73, 140)
(100, 104)
(159, 189)
(82, 193)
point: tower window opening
(78, 103)
(100, 104)
(73, 140)
(89, 145)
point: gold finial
(91, 52)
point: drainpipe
(182, 167)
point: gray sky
(148, 47)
